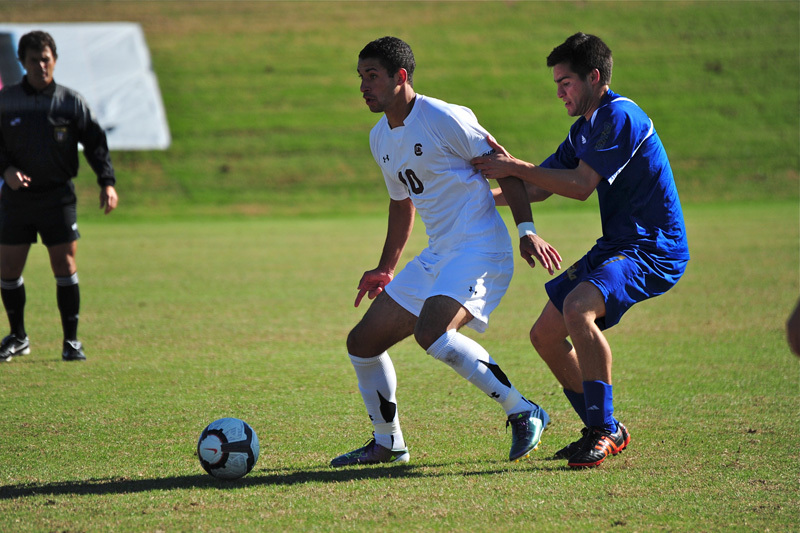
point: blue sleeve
(563, 158)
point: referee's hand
(15, 178)
(108, 198)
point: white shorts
(475, 280)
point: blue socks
(595, 406)
(578, 403)
(599, 405)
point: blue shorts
(625, 277)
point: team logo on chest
(418, 149)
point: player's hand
(497, 165)
(15, 178)
(372, 284)
(533, 248)
(108, 199)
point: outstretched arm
(577, 183)
(535, 194)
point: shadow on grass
(256, 478)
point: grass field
(247, 318)
(223, 285)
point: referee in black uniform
(41, 124)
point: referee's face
(39, 66)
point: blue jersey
(639, 204)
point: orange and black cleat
(599, 444)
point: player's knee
(543, 338)
(576, 313)
(354, 345)
(536, 336)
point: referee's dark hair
(36, 40)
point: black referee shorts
(56, 224)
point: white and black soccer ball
(228, 448)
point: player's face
(576, 92)
(39, 66)
(377, 87)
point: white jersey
(427, 160)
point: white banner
(109, 64)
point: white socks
(474, 364)
(377, 382)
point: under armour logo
(494, 395)
(385, 159)
(16, 121)
(592, 408)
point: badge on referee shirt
(61, 133)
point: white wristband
(526, 228)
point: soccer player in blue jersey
(612, 148)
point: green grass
(223, 285)
(187, 321)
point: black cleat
(12, 345)
(73, 351)
(599, 443)
(573, 447)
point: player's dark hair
(584, 53)
(36, 40)
(393, 54)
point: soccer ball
(228, 448)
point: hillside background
(264, 108)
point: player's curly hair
(393, 54)
(36, 40)
(584, 53)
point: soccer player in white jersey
(613, 148)
(424, 147)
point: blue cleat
(526, 431)
(372, 453)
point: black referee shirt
(39, 134)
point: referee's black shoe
(12, 346)
(73, 351)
